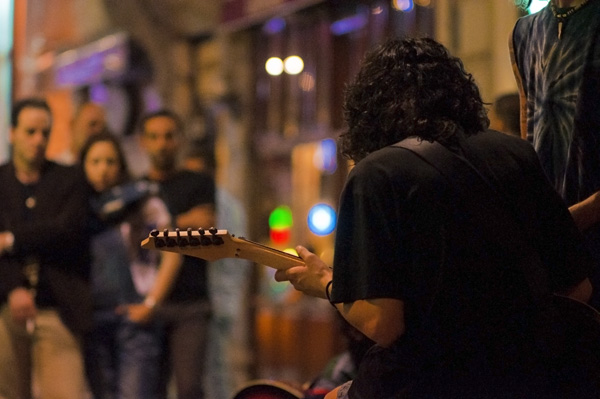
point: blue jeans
(123, 358)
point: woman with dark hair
(124, 347)
(449, 245)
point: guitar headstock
(205, 241)
(213, 244)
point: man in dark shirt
(44, 264)
(190, 198)
(450, 244)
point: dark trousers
(185, 335)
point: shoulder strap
(449, 164)
(465, 178)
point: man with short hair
(190, 198)
(44, 264)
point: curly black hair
(409, 87)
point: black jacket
(51, 233)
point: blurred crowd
(86, 311)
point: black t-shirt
(467, 279)
(181, 192)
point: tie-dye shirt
(561, 80)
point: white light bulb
(274, 66)
(293, 65)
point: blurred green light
(281, 218)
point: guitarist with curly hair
(451, 245)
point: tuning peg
(169, 242)
(204, 240)
(216, 240)
(158, 242)
(191, 239)
(182, 242)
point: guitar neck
(266, 255)
(216, 244)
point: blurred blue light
(321, 219)
(99, 93)
(403, 5)
(325, 158)
(347, 25)
(107, 58)
(274, 25)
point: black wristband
(327, 292)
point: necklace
(561, 17)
